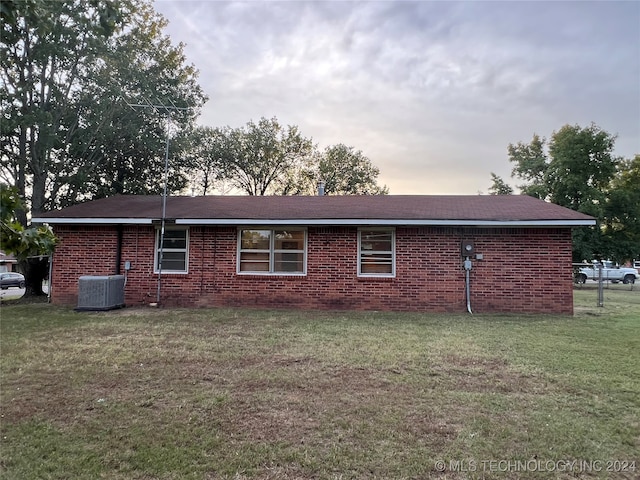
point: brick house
(8, 263)
(324, 252)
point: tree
(206, 152)
(499, 186)
(621, 223)
(581, 168)
(30, 246)
(579, 173)
(347, 171)
(575, 174)
(531, 165)
(68, 70)
(45, 46)
(266, 158)
(143, 69)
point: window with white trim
(175, 250)
(279, 251)
(376, 252)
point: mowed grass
(255, 394)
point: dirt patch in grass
(486, 374)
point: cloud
(432, 92)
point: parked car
(11, 279)
(610, 272)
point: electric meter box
(467, 248)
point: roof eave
(386, 222)
(318, 221)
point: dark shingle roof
(356, 209)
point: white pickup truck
(610, 272)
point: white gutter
(321, 221)
(386, 222)
(93, 221)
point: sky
(431, 92)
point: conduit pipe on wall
(467, 268)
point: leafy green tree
(581, 168)
(30, 246)
(575, 174)
(45, 46)
(144, 69)
(347, 171)
(269, 159)
(621, 224)
(206, 152)
(264, 158)
(499, 186)
(531, 165)
(69, 69)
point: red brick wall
(523, 270)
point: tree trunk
(35, 270)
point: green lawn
(243, 394)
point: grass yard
(255, 394)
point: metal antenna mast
(161, 108)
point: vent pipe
(320, 188)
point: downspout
(119, 229)
(50, 277)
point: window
(174, 251)
(376, 252)
(277, 251)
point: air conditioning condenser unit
(100, 292)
